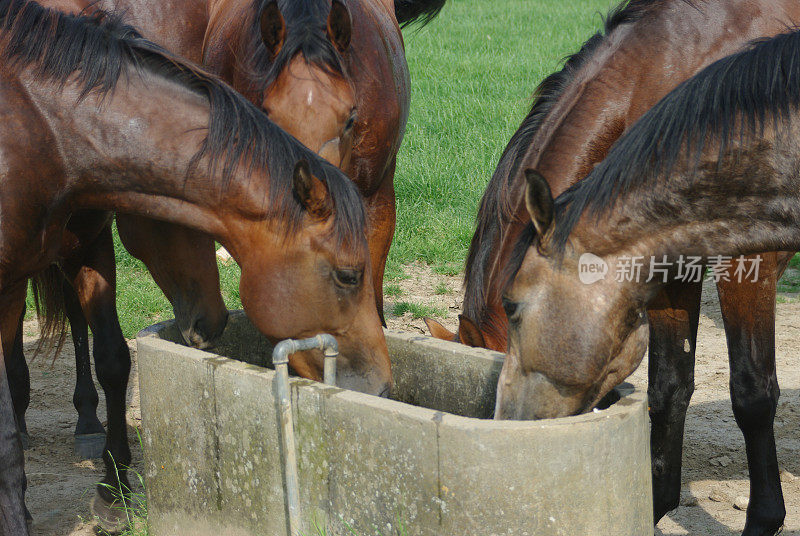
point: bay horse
(97, 118)
(647, 48)
(331, 73)
(351, 50)
(711, 170)
(184, 267)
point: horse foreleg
(748, 310)
(90, 435)
(19, 380)
(673, 316)
(14, 517)
(95, 285)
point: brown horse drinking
(342, 53)
(711, 170)
(331, 73)
(648, 47)
(294, 223)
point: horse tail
(48, 296)
(416, 11)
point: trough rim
(626, 407)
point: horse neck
(125, 154)
(636, 65)
(746, 203)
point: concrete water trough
(429, 463)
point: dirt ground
(715, 471)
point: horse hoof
(25, 439)
(89, 446)
(110, 518)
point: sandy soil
(715, 472)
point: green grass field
(473, 71)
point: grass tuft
(790, 282)
(133, 504)
(392, 290)
(442, 289)
(417, 311)
(451, 269)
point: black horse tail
(48, 296)
(416, 11)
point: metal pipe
(280, 359)
(331, 351)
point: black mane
(731, 101)
(98, 50)
(420, 12)
(306, 34)
(497, 205)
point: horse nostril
(201, 328)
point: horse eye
(347, 277)
(510, 307)
(636, 318)
(351, 121)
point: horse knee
(670, 396)
(113, 364)
(754, 411)
(754, 398)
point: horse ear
(469, 333)
(340, 26)
(273, 28)
(539, 201)
(310, 191)
(439, 331)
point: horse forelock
(306, 35)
